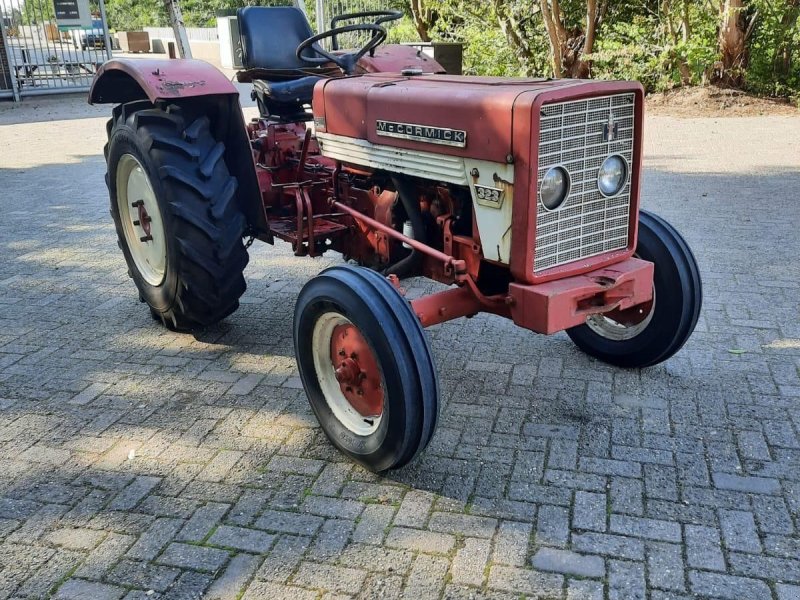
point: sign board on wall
(73, 13)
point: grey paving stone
(143, 575)
(568, 563)
(150, 543)
(755, 485)
(131, 495)
(282, 561)
(427, 576)
(627, 496)
(469, 562)
(240, 538)
(371, 527)
(589, 511)
(651, 529)
(414, 509)
(286, 522)
(331, 539)
(340, 579)
(466, 525)
(525, 581)
(511, 543)
(609, 545)
(787, 592)
(626, 580)
(202, 522)
(233, 581)
(188, 556)
(739, 531)
(78, 589)
(719, 585)
(422, 541)
(104, 556)
(582, 589)
(665, 567)
(552, 525)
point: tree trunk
(512, 28)
(732, 43)
(423, 17)
(569, 48)
(555, 34)
(783, 54)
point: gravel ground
(140, 463)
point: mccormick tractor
(522, 195)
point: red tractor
(520, 194)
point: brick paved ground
(138, 463)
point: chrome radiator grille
(587, 223)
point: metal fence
(325, 10)
(39, 55)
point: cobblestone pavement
(139, 463)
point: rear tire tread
(200, 197)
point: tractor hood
(487, 118)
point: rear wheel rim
(141, 220)
(349, 375)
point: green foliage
(661, 43)
(133, 15)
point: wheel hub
(356, 370)
(140, 219)
(144, 219)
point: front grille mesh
(587, 223)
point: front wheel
(650, 333)
(366, 367)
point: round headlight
(555, 187)
(612, 175)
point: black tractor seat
(294, 91)
(282, 83)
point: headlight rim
(625, 178)
(567, 191)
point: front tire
(174, 205)
(366, 367)
(647, 335)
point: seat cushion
(270, 36)
(296, 91)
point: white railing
(195, 34)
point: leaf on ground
(736, 351)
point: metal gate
(328, 9)
(50, 46)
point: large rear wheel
(366, 367)
(175, 208)
(650, 333)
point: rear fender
(202, 89)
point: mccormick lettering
(422, 133)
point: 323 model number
(489, 196)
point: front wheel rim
(348, 373)
(141, 221)
(623, 325)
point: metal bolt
(474, 172)
(342, 352)
(136, 222)
(510, 159)
(138, 203)
(146, 238)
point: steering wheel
(347, 62)
(385, 17)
